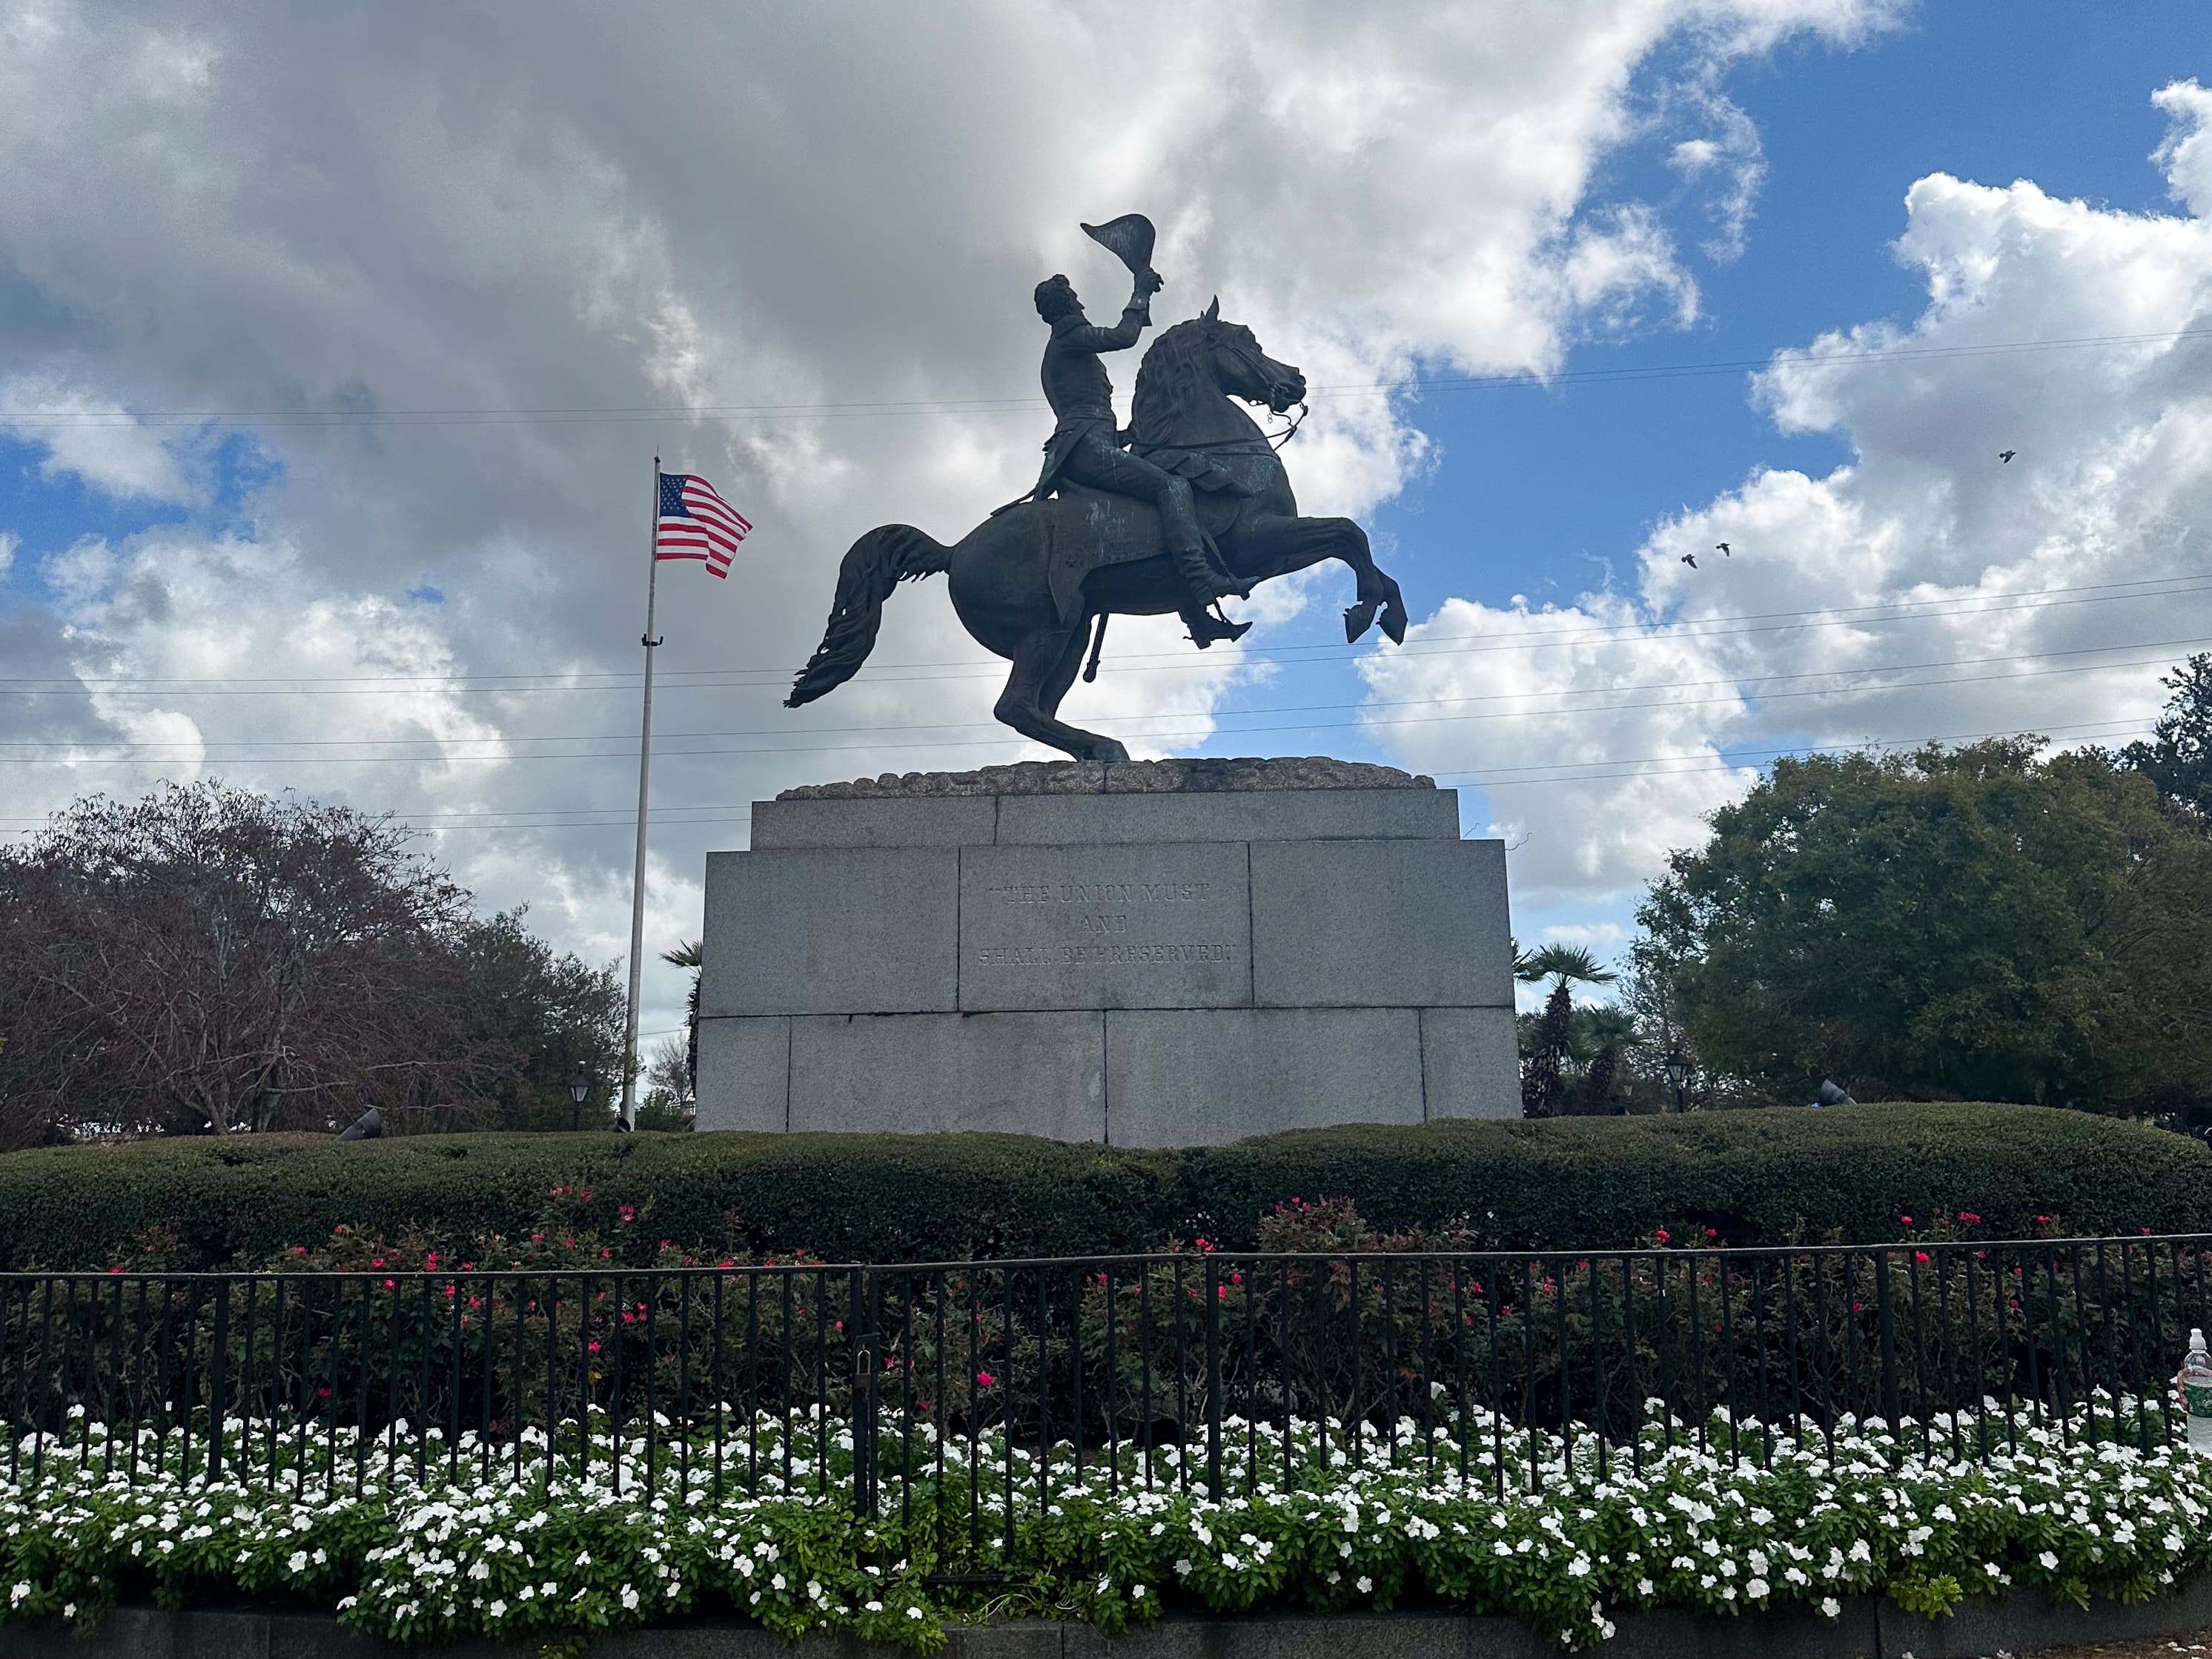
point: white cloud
(95, 439)
(2186, 155)
(1925, 588)
(303, 216)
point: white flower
(629, 1599)
(2049, 1560)
(915, 1612)
(1365, 1584)
(497, 1609)
(1830, 1608)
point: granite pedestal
(1163, 953)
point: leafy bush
(430, 1543)
(1752, 1177)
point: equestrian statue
(1188, 506)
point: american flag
(696, 523)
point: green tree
(553, 1010)
(1967, 923)
(692, 954)
(1549, 1038)
(2178, 757)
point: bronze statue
(1190, 504)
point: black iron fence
(947, 1384)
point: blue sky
(438, 619)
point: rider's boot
(1207, 626)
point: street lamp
(580, 1085)
(1678, 1073)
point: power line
(1726, 760)
(614, 414)
(1737, 696)
(1744, 683)
(2150, 588)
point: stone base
(1169, 953)
(1866, 1627)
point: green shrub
(1753, 1178)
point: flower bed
(465, 1548)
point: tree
(1604, 1034)
(666, 1101)
(1965, 923)
(2178, 759)
(1550, 1039)
(692, 954)
(208, 959)
(548, 1013)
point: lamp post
(580, 1085)
(1678, 1073)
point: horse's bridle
(1251, 360)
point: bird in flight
(1722, 548)
(1691, 560)
(2007, 454)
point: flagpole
(629, 1118)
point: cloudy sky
(337, 342)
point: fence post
(1886, 1328)
(218, 1376)
(1212, 1381)
(863, 1322)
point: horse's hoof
(1357, 620)
(1393, 623)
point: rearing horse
(1027, 581)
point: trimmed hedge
(1756, 1177)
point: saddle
(1086, 529)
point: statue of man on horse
(1196, 506)
(1087, 447)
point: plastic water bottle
(2195, 1383)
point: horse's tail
(873, 565)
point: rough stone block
(1091, 926)
(745, 1073)
(1470, 1063)
(917, 821)
(1370, 923)
(1020, 1074)
(2026, 1620)
(1253, 815)
(831, 930)
(1202, 1077)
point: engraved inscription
(1100, 914)
(1154, 926)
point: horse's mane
(1169, 388)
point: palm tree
(1561, 964)
(692, 954)
(1543, 1088)
(1604, 1032)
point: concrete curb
(1871, 1627)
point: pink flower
(1660, 1234)
(1906, 1219)
(985, 1379)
